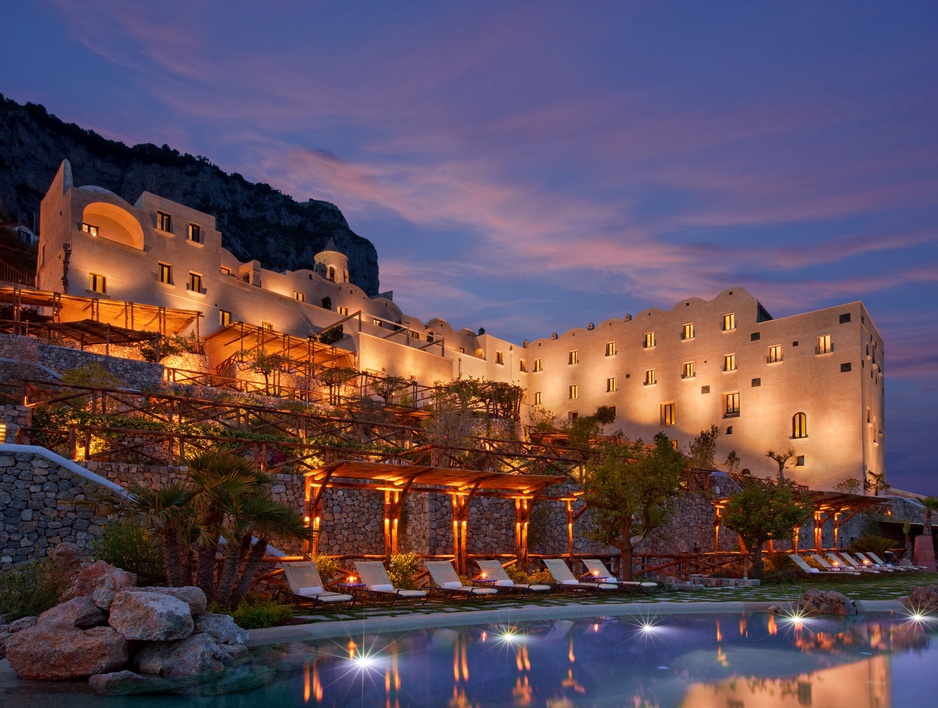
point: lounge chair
(810, 570)
(878, 561)
(494, 570)
(379, 585)
(599, 573)
(564, 578)
(856, 563)
(828, 566)
(837, 561)
(447, 582)
(307, 587)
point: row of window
(824, 346)
(165, 275)
(164, 222)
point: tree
(931, 506)
(170, 512)
(781, 459)
(762, 511)
(732, 462)
(703, 448)
(876, 483)
(631, 487)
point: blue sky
(533, 166)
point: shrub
(536, 577)
(403, 570)
(329, 569)
(257, 611)
(30, 589)
(779, 569)
(874, 543)
(134, 549)
(92, 374)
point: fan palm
(169, 509)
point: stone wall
(132, 374)
(14, 418)
(43, 504)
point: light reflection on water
(706, 661)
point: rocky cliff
(256, 221)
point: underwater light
(364, 661)
(509, 636)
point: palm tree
(169, 509)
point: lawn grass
(885, 586)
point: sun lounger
(837, 562)
(856, 563)
(379, 586)
(598, 573)
(878, 561)
(564, 578)
(447, 582)
(494, 570)
(307, 587)
(810, 570)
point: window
(687, 332)
(729, 362)
(165, 273)
(429, 334)
(649, 340)
(799, 425)
(667, 414)
(824, 344)
(705, 389)
(97, 283)
(574, 357)
(574, 391)
(523, 366)
(89, 229)
(164, 222)
(500, 358)
(688, 372)
(377, 323)
(462, 350)
(775, 354)
(298, 296)
(612, 411)
(756, 382)
(799, 461)
(729, 322)
(538, 398)
(266, 325)
(845, 318)
(572, 416)
(342, 310)
(731, 404)
(224, 318)
(194, 233)
(611, 385)
(755, 336)
(195, 283)
(414, 334)
(611, 349)
(538, 365)
(650, 379)
(225, 270)
(331, 274)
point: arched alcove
(114, 224)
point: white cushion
(453, 585)
(610, 580)
(813, 570)
(569, 582)
(310, 592)
(382, 588)
(412, 593)
(505, 583)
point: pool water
(725, 661)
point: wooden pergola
(397, 481)
(121, 314)
(835, 507)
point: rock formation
(107, 628)
(256, 220)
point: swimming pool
(725, 661)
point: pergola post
(717, 522)
(818, 525)
(795, 538)
(523, 508)
(570, 519)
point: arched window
(332, 274)
(799, 425)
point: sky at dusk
(534, 166)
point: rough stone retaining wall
(43, 504)
(14, 418)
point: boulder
(189, 594)
(232, 652)
(125, 683)
(79, 612)
(150, 616)
(8, 630)
(923, 599)
(826, 602)
(198, 654)
(68, 558)
(54, 651)
(221, 628)
(101, 575)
